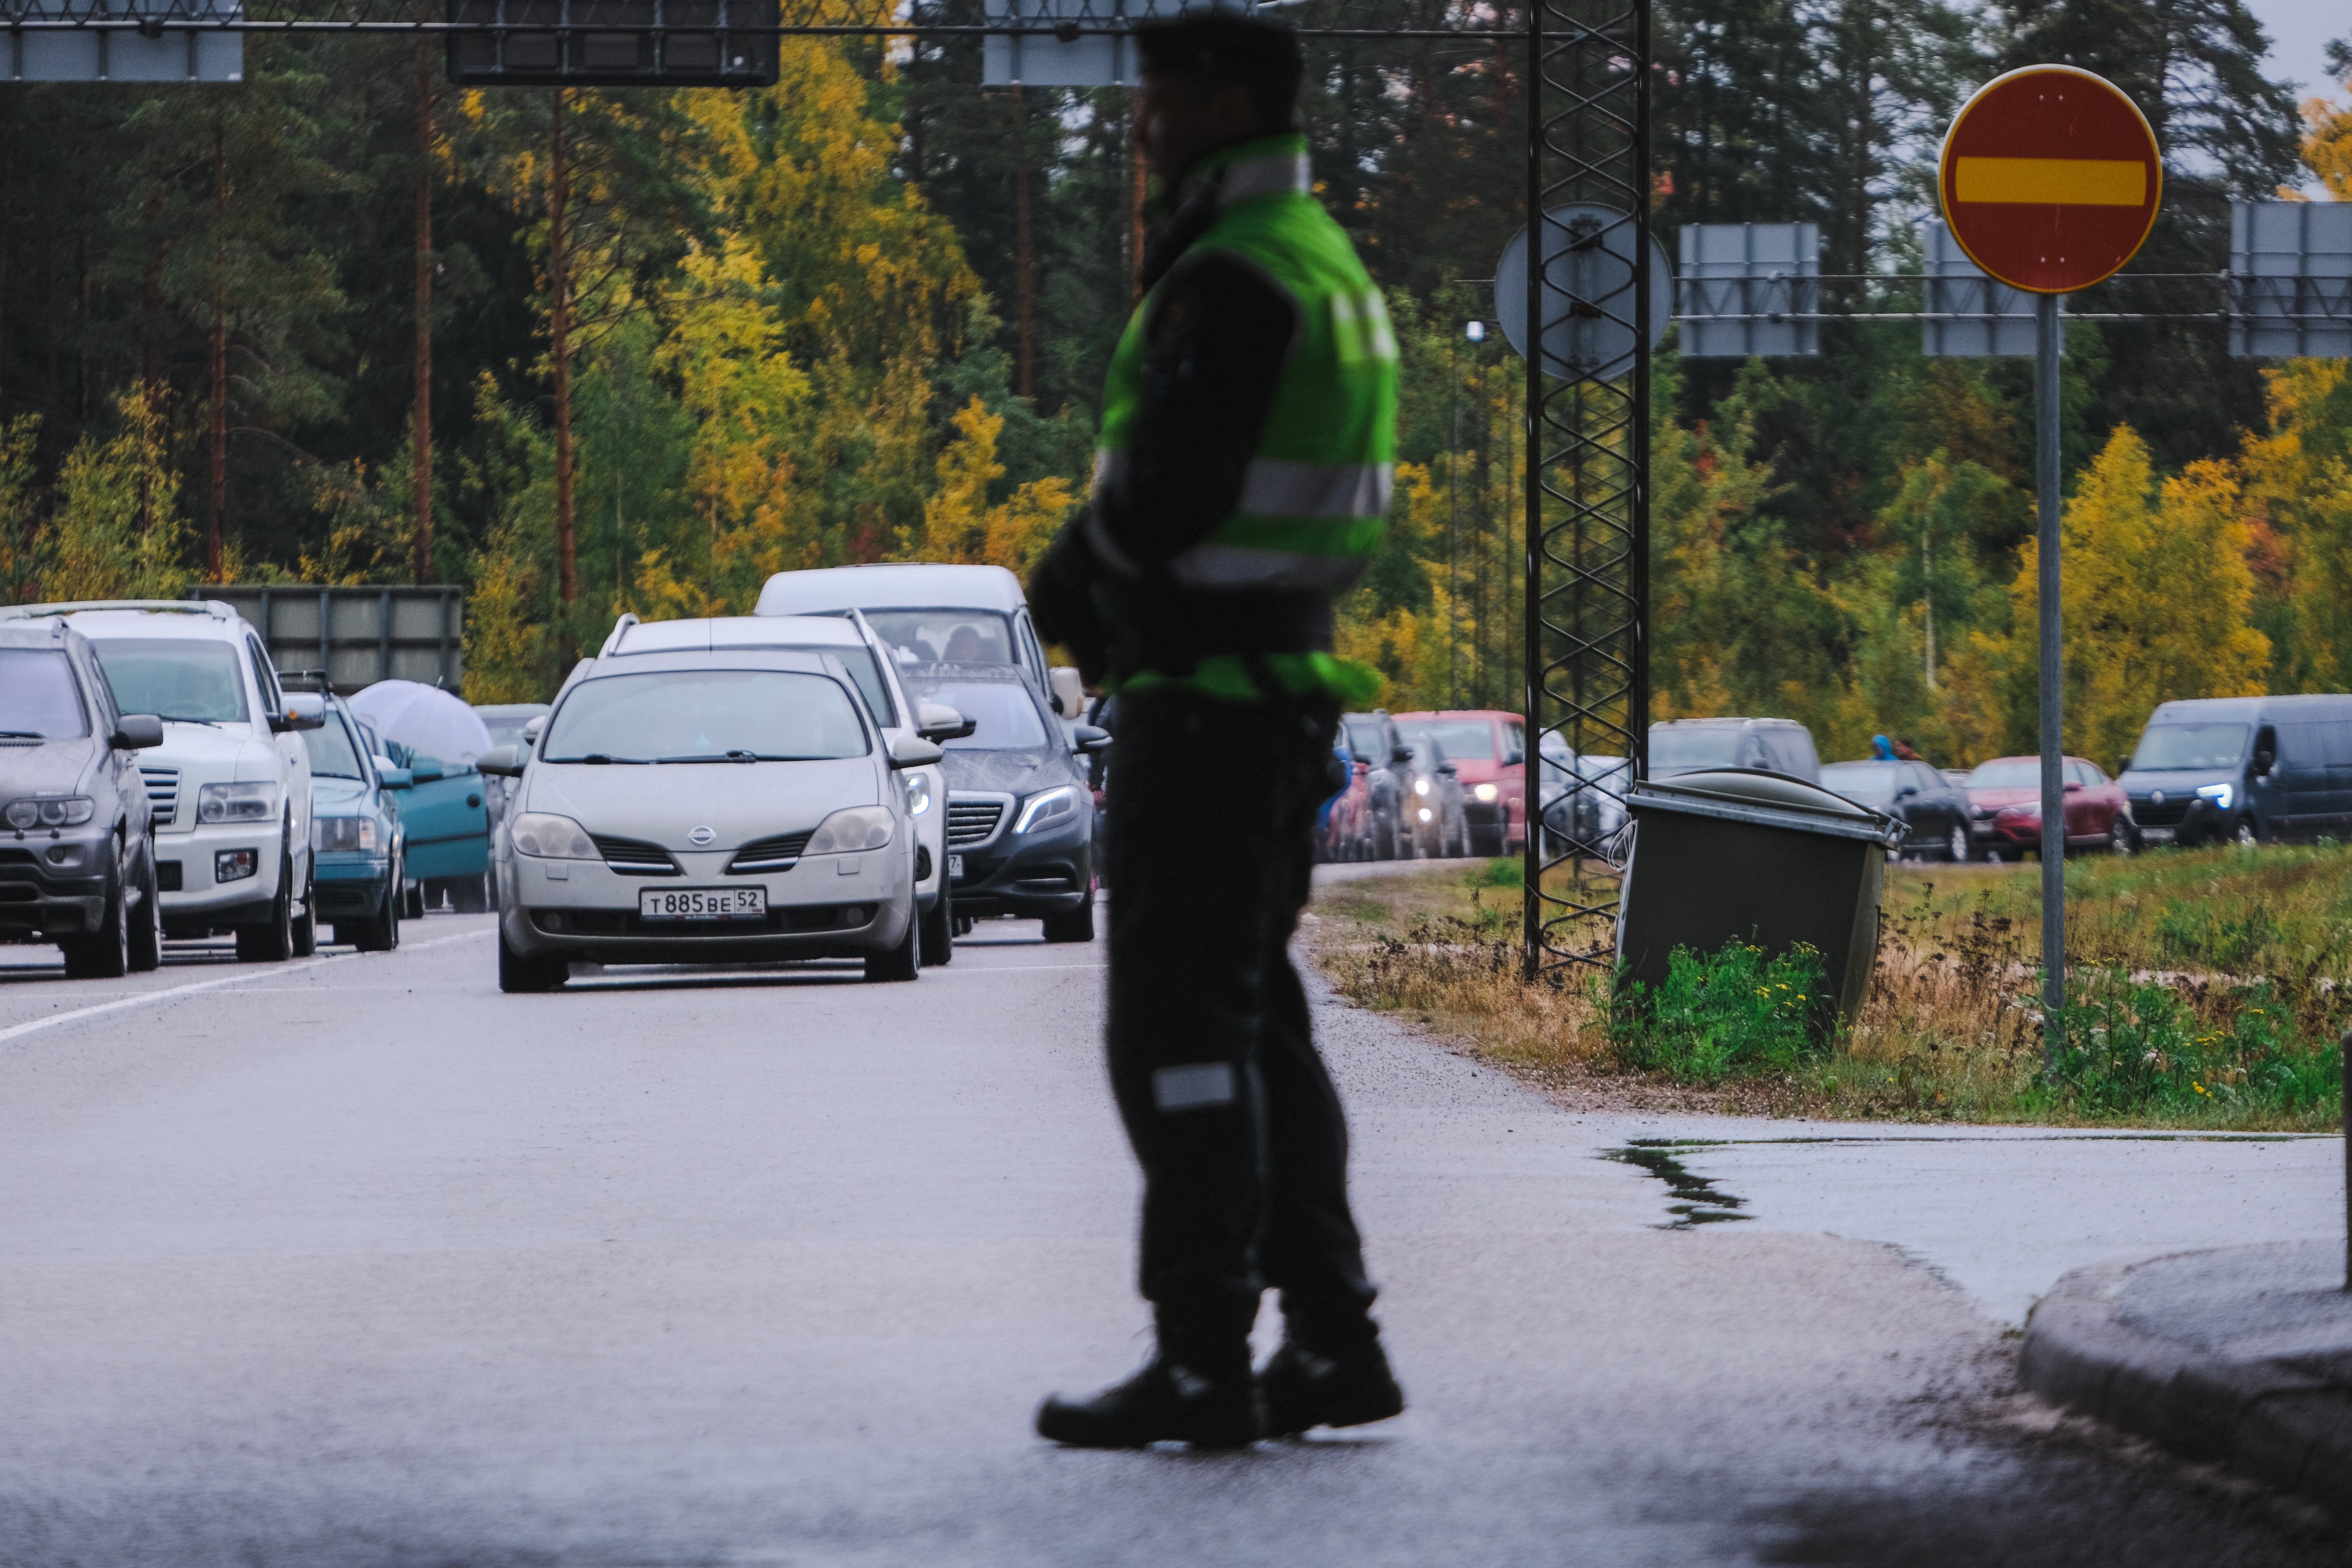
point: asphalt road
(356, 1261)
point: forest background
(680, 340)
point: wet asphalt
(359, 1262)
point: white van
(230, 785)
(928, 612)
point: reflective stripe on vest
(1314, 502)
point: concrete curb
(2265, 1419)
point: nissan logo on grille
(701, 837)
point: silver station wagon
(707, 804)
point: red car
(2005, 808)
(1345, 832)
(1489, 754)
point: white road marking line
(297, 967)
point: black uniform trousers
(1212, 806)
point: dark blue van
(2249, 769)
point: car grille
(629, 855)
(780, 853)
(162, 792)
(971, 822)
(2147, 813)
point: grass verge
(2210, 988)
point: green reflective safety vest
(1315, 497)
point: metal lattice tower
(1587, 481)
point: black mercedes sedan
(1020, 826)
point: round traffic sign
(1588, 294)
(2051, 178)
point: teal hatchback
(357, 838)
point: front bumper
(348, 886)
(192, 894)
(584, 910)
(53, 885)
(1045, 871)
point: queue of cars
(252, 809)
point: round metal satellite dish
(1589, 295)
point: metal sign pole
(2048, 345)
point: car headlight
(253, 801)
(1049, 805)
(918, 791)
(55, 811)
(2220, 794)
(1487, 792)
(851, 829)
(1420, 787)
(552, 838)
(1424, 814)
(341, 835)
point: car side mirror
(392, 777)
(1091, 738)
(1364, 757)
(914, 752)
(1448, 768)
(533, 729)
(1906, 792)
(2073, 784)
(502, 761)
(2263, 762)
(1400, 754)
(426, 770)
(304, 710)
(941, 722)
(137, 732)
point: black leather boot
(1168, 1401)
(1302, 1388)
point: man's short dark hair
(1218, 48)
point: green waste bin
(1739, 855)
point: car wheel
(520, 972)
(470, 895)
(306, 929)
(380, 933)
(2119, 836)
(273, 943)
(1957, 848)
(104, 953)
(938, 929)
(413, 904)
(147, 922)
(1077, 925)
(904, 961)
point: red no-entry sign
(2051, 178)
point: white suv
(230, 785)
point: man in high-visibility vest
(1241, 481)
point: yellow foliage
(2155, 593)
(2327, 146)
(117, 533)
(959, 523)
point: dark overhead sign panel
(613, 43)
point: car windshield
(2190, 746)
(2009, 772)
(951, 636)
(332, 754)
(1464, 740)
(704, 716)
(866, 675)
(1694, 746)
(1006, 718)
(1364, 736)
(37, 695)
(193, 682)
(1870, 783)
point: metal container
(1740, 854)
(357, 635)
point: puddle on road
(1701, 1202)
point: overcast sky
(2298, 30)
